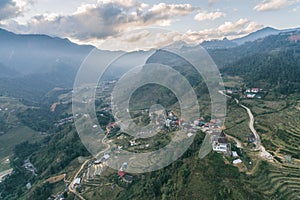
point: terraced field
(282, 131)
(279, 126)
(278, 182)
(237, 122)
(12, 131)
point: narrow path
(71, 189)
(238, 142)
(5, 173)
(258, 145)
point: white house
(237, 161)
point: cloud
(162, 13)
(10, 8)
(106, 19)
(201, 16)
(251, 27)
(143, 39)
(269, 5)
(211, 2)
(228, 29)
(296, 9)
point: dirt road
(71, 189)
(258, 146)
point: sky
(133, 24)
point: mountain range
(32, 65)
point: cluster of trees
(280, 70)
(191, 178)
(15, 186)
(50, 156)
(41, 118)
(3, 125)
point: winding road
(258, 146)
(238, 142)
(71, 189)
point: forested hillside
(278, 70)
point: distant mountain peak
(261, 33)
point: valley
(253, 155)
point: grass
(278, 122)
(233, 81)
(237, 121)
(16, 136)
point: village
(167, 121)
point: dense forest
(50, 156)
(273, 62)
(279, 71)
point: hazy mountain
(31, 65)
(262, 33)
(30, 54)
(218, 44)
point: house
(28, 186)
(221, 145)
(132, 142)
(255, 90)
(206, 125)
(213, 121)
(190, 135)
(234, 154)
(128, 178)
(168, 122)
(111, 126)
(229, 91)
(124, 166)
(121, 174)
(106, 156)
(237, 161)
(201, 123)
(251, 138)
(77, 181)
(250, 95)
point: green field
(13, 131)
(14, 137)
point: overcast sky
(112, 21)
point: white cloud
(251, 27)
(10, 8)
(211, 2)
(229, 27)
(201, 16)
(230, 30)
(296, 9)
(269, 5)
(106, 19)
(140, 39)
(124, 3)
(172, 9)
